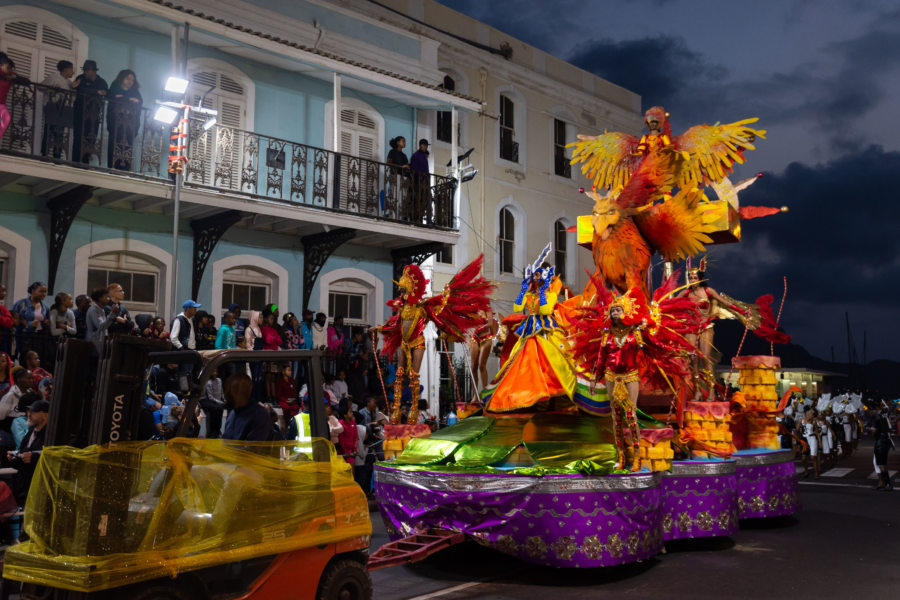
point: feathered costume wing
(679, 226)
(454, 311)
(757, 317)
(711, 150)
(663, 325)
(609, 159)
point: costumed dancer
(627, 343)
(480, 342)
(538, 366)
(713, 305)
(881, 429)
(454, 312)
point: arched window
(246, 286)
(36, 44)
(139, 277)
(506, 240)
(560, 248)
(230, 92)
(354, 294)
(511, 127)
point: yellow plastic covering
(107, 516)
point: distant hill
(881, 375)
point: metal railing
(92, 132)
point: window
(229, 93)
(445, 118)
(445, 255)
(560, 244)
(561, 164)
(509, 149)
(249, 288)
(138, 277)
(506, 240)
(350, 306)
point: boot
(886, 477)
(633, 459)
(398, 393)
(413, 418)
(881, 484)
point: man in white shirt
(182, 332)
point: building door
(360, 174)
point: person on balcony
(421, 185)
(57, 110)
(396, 157)
(92, 90)
(7, 74)
(123, 119)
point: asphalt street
(844, 542)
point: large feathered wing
(609, 159)
(711, 150)
(679, 226)
(455, 311)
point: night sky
(823, 79)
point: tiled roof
(304, 48)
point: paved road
(845, 542)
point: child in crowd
(286, 393)
(213, 404)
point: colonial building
(286, 196)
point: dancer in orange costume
(454, 311)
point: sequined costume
(455, 311)
(538, 366)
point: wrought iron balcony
(92, 132)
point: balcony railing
(91, 132)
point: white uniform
(848, 434)
(826, 441)
(809, 432)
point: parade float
(563, 467)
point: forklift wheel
(163, 592)
(345, 580)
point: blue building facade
(286, 197)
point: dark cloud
(838, 246)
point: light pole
(166, 113)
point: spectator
(20, 425)
(7, 322)
(156, 330)
(239, 324)
(9, 404)
(182, 334)
(5, 373)
(7, 74)
(337, 344)
(319, 332)
(335, 429)
(115, 306)
(348, 439)
(247, 419)
(123, 119)
(57, 110)
(206, 331)
(361, 465)
(396, 157)
(425, 416)
(306, 331)
(252, 333)
(164, 381)
(213, 404)
(421, 185)
(32, 362)
(62, 318)
(25, 460)
(293, 338)
(356, 379)
(32, 332)
(286, 393)
(82, 304)
(271, 336)
(226, 337)
(92, 89)
(97, 323)
(339, 385)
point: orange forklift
(112, 517)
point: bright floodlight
(209, 123)
(176, 85)
(166, 115)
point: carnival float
(605, 432)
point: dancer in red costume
(454, 311)
(627, 343)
